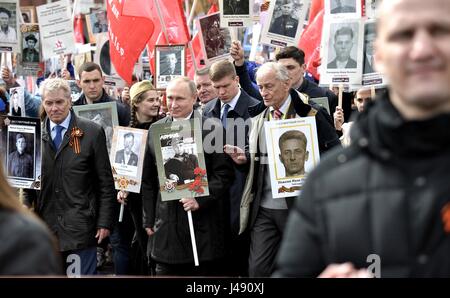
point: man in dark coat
(343, 43)
(383, 203)
(20, 163)
(91, 83)
(285, 24)
(77, 193)
(30, 54)
(126, 156)
(231, 107)
(166, 222)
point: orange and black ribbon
(74, 142)
(288, 189)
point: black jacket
(237, 135)
(77, 191)
(384, 195)
(27, 247)
(171, 242)
(123, 110)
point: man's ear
(306, 155)
(79, 83)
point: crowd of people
(379, 189)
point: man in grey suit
(126, 155)
(343, 43)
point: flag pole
(194, 245)
(161, 21)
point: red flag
(78, 29)
(129, 30)
(310, 43)
(316, 7)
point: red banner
(130, 28)
(310, 43)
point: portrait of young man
(342, 44)
(293, 152)
(20, 162)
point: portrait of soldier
(285, 24)
(181, 166)
(20, 163)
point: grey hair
(51, 85)
(191, 84)
(281, 72)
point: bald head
(413, 51)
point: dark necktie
(225, 115)
(58, 137)
(277, 114)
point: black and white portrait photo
(369, 48)
(284, 21)
(8, 22)
(104, 114)
(216, 40)
(30, 50)
(16, 102)
(342, 47)
(179, 159)
(236, 7)
(169, 64)
(371, 7)
(20, 151)
(127, 155)
(21, 155)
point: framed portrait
(75, 90)
(236, 13)
(284, 24)
(342, 8)
(17, 102)
(342, 50)
(127, 157)
(180, 159)
(170, 63)
(20, 140)
(28, 14)
(96, 23)
(9, 33)
(30, 44)
(215, 40)
(104, 114)
(293, 151)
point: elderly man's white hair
(55, 84)
(281, 72)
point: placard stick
(121, 212)
(372, 92)
(194, 245)
(341, 87)
(191, 15)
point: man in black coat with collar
(231, 108)
(76, 199)
(166, 222)
(91, 83)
